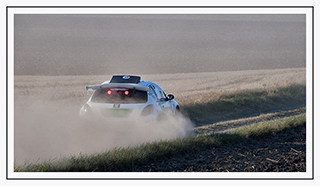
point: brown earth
(285, 152)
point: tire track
(230, 124)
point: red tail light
(118, 91)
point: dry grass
(242, 103)
(184, 86)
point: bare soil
(285, 152)
(156, 44)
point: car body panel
(110, 85)
(157, 102)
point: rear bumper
(115, 114)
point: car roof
(142, 85)
(128, 79)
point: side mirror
(170, 97)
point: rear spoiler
(116, 85)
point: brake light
(117, 91)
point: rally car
(126, 96)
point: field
(47, 127)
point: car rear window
(119, 96)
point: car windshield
(119, 96)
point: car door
(163, 102)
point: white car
(128, 97)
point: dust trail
(45, 130)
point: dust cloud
(47, 130)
